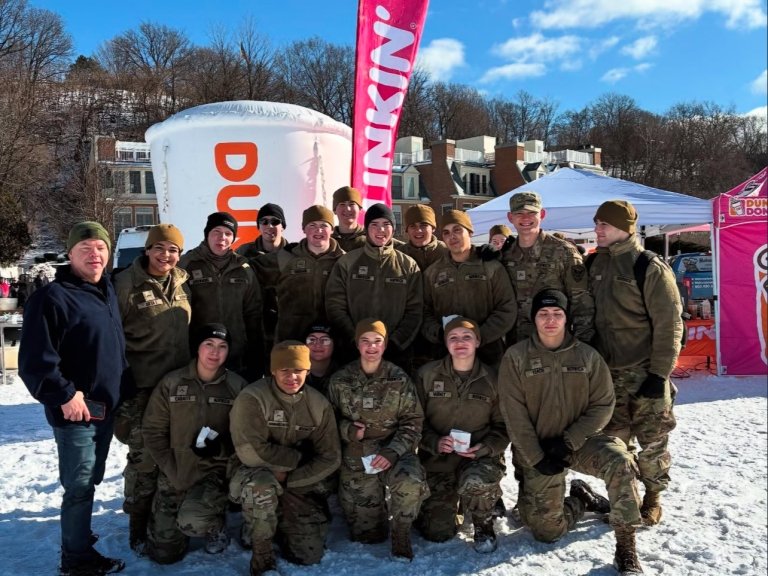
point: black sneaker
(485, 536)
(499, 510)
(97, 565)
(593, 502)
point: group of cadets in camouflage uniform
(400, 343)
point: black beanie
(213, 330)
(379, 211)
(546, 298)
(220, 219)
(272, 210)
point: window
(119, 179)
(466, 206)
(135, 181)
(123, 219)
(149, 182)
(397, 187)
(398, 212)
(145, 216)
(445, 207)
(476, 183)
(411, 187)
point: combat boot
(625, 560)
(137, 532)
(485, 535)
(262, 557)
(651, 509)
(216, 541)
(401, 542)
(593, 502)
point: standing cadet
(347, 203)
(285, 436)
(556, 398)
(271, 220)
(321, 346)
(225, 289)
(192, 491)
(460, 393)
(72, 360)
(155, 306)
(376, 280)
(422, 245)
(638, 333)
(380, 419)
(538, 260)
(299, 273)
(498, 236)
(462, 283)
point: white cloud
(441, 57)
(615, 74)
(514, 71)
(595, 13)
(537, 48)
(760, 84)
(597, 48)
(641, 47)
(760, 112)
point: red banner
(388, 34)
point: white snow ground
(714, 523)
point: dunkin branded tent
(741, 250)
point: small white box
(461, 440)
(367, 464)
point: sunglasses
(270, 222)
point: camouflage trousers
(649, 420)
(298, 519)
(363, 496)
(549, 514)
(474, 483)
(178, 515)
(140, 472)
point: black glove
(549, 466)
(508, 243)
(487, 252)
(555, 448)
(211, 449)
(652, 387)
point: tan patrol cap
(530, 201)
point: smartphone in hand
(98, 410)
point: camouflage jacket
(381, 283)
(427, 255)
(351, 240)
(293, 433)
(547, 393)
(385, 402)
(475, 289)
(179, 407)
(299, 277)
(626, 335)
(155, 321)
(471, 405)
(231, 296)
(549, 263)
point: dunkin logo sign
(761, 284)
(748, 206)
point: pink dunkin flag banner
(741, 227)
(388, 34)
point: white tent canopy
(571, 198)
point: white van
(130, 243)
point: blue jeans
(83, 453)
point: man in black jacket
(72, 360)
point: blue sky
(659, 52)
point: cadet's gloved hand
(211, 449)
(307, 451)
(555, 448)
(550, 466)
(652, 387)
(487, 253)
(508, 243)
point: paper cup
(461, 440)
